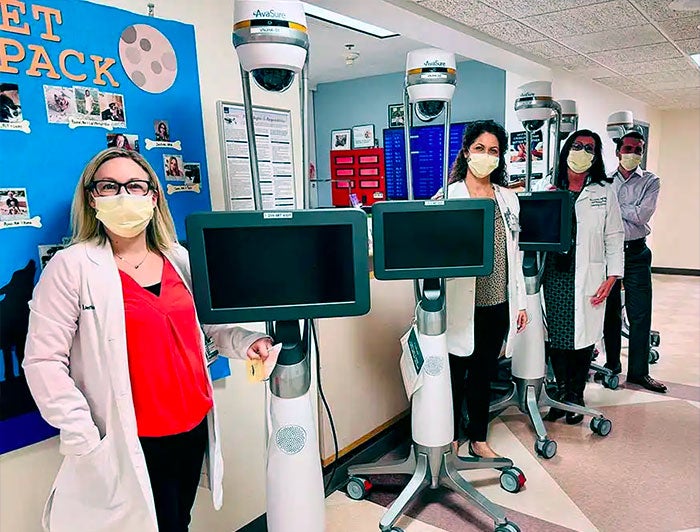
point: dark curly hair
(459, 168)
(596, 174)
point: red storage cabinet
(359, 172)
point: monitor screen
(426, 159)
(432, 239)
(545, 221)
(254, 266)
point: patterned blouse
(493, 288)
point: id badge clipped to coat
(210, 348)
(512, 221)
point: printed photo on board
(87, 102)
(10, 108)
(13, 204)
(48, 251)
(112, 108)
(174, 167)
(122, 140)
(162, 130)
(60, 103)
(192, 174)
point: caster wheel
(655, 339)
(601, 426)
(653, 356)
(546, 448)
(611, 382)
(512, 480)
(508, 527)
(358, 488)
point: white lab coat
(600, 239)
(461, 291)
(77, 369)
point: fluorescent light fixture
(347, 22)
(696, 58)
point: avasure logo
(434, 63)
(270, 13)
(527, 94)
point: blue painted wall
(480, 94)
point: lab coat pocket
(594, 277)
(87, 494)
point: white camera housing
(431, 75)
(619, 123)
(569, 117)
(271, 40)
(534, 103)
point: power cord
(334, 466)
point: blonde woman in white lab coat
(483, 312)
(115, 359)
(577, 283)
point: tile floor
(644, 477)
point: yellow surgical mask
(630, 161)
(124, 215)
(579, 160)
(482, 164)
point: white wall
(676, 224)
(26, 474)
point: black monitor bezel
(565, 224)
(379, 209)
(197, 223)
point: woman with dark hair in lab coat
(577, 282)
(484, 312)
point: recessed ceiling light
(347, 22)
(696, 58)
(685, 5)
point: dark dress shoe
(648, 383)
(554, 414)
(573, 419)
(616, 370)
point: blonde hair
(160, 233)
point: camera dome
(271, 40)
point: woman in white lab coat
(577, 282)
(483, 312)
(115, 359)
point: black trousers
(174, 465)
(490, 329)
(638, 306)
(571, 368)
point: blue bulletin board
(75, 76)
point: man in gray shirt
(637, 191)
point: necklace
(134, 266)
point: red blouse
(168, 375)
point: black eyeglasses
(107, 187)
(577, 146)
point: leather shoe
(648, 383)
(616, 370)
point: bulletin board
(76, 77)
(273, 140)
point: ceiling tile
(581, 66)
(659, 10)
(682, 94)
(523, 8)
(619, 82)
(690, 76)
(672, 85)
(690, 46)
(587, 19)
(682, 28)
(644, 96)
(644, 67)
(546, 49)
(468, 12)
(512, 32)
(614, 39)
(649, 52)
